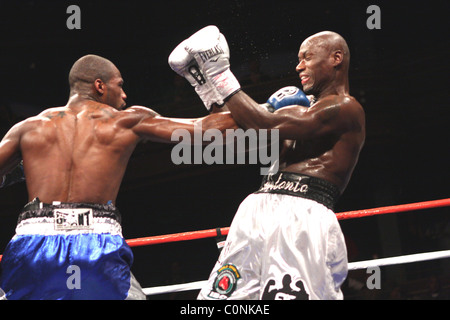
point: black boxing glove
(15, 176)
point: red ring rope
(341, 216)
(177, 237)
(394, 209)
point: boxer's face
(114, 95)
(314, 67)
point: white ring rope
(399, 260)
(197, 285)
(175, 288)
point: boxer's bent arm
(296, 122)
(10, 149)
(160, 129)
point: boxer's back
(76, 154)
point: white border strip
(351, 266)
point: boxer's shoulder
(338, 101)
(134, 115)
(140, 110)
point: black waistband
(301, 185)
(38, 209)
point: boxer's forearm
(247, 112)
(220, 121)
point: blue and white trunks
(68, 251)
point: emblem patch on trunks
(291, 289)
(73, 219)
(225, 282)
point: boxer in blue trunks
(68, 242)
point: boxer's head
(99, 79)
(323, 60)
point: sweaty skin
(325, 139)
(79, 152)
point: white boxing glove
(185, 65)
(210, 50)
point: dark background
(399, 74)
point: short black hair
(89, 68)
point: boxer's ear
(338, 57)
(99, 86)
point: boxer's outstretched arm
(160, 129)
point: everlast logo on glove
(205, 55)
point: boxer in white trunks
(285, 241)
